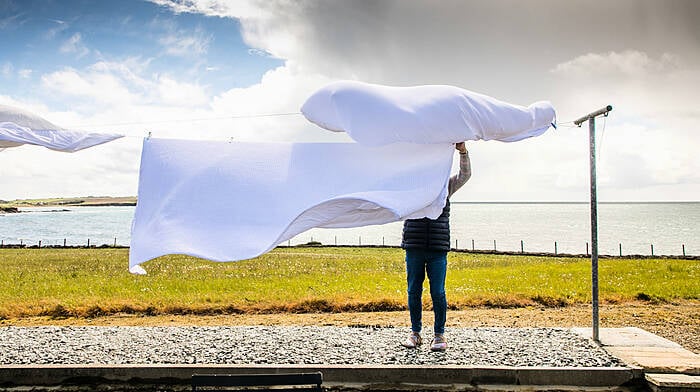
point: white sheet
(376, 115)
(233, 201)
(18, 127)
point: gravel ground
(677, 322)
(553, 347)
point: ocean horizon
(627, 228)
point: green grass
(91, 282)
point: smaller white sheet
(18, 127)
(373, 114)
(233, 201)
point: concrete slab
(673, 382)
(36, 375)
(627, 337)
(639, 348)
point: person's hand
(461, 148)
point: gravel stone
(548, 347)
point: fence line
(555, 250)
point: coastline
(89, 201)
(117, 201)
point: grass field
(93, 282)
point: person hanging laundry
(426, 243)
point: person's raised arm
(465, 170)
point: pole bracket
(604, 111)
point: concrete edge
(638, 348)
(18, 375)
(673, 380)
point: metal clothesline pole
(594, 212)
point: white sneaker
(439, 343)
(414, 340)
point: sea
(623, 228)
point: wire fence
(492, 246)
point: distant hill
(72, 201)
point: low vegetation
(95, 282)
(74, 201)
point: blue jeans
(418, 262)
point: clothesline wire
(602, 137)
(599, 145)
(243, 116)
(565, 124)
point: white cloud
(24, 73)
(9, 21)
(123, 84)
(109, 169)
(182, 43)
(630, 63)
(74, 45)
(280, 91)
(92, 87)
(61, 25)
(236, 8)
(650, 140)
(172, 92)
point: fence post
(472, 244)
(494, 245)
(382, 240)
(620, 249)
(88, 243)
(652, 249)
(522, 247)
(587, 253)
(456, 243)
(683, 250)
(359, 240)
(336, 240)
(40, 243)
(555, 247)
(115, 242)
(64, 242)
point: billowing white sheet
(376, 115)
(18, 127)
(233, 201)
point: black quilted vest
(428, 234)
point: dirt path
(679, 322)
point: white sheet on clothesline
(374, 114)
(18, 127)
(232, 201)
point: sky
(215, 69)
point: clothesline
(243, 116)
(148, 133)
(563, 124)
